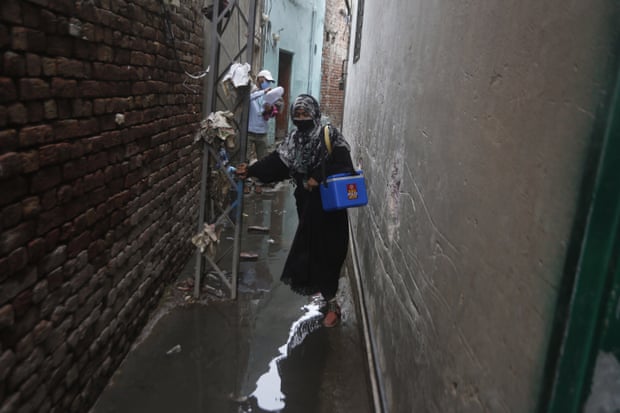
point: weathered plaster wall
(471, 120)
(300, 27)
(98, 187)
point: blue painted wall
(299, 24)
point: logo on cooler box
(351, 191)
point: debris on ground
(257, 228)
(248, 256)
(174, 350)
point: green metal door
(585, 373)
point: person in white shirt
(259, 115)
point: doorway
(284, 79)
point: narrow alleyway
(266, 351)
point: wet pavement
(265, 351)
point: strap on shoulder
(328, 142)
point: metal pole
(243, 149)
(208, 107)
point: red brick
(36, 249)
(74, 169)
(30, 161)
(22, 303)
(49, 66)
(35, 135)
(35, 111)
(28, 40)
(48, 155)
(55, 279)
(31, 207)
(4, 269)
(42, 331)
(18, 259)
(4, 36)
(85, 220)
(7, 318)
(111, 139)
(67, 231)
(64, 88)
(55, 153)
(8, 92)
(98, 196)
(77, 150)
(108, 122)
(3, 122)
(78, 244)
(45, 179)
(14, 64)
(71, 68)
(96, 248)
(99, 106)
(10, 165)
(93, 180)
(32, 16)
(93, 144)
(73, 128)
(12, 189)
(105, 53)
(50, 110)
(17, 114)
(82, 108)
(32, 88)
(51, 239)
(49, 199)
(11, 215)
(10, 11)
(33, 65)
(92, 88)
(97, 161)
(75, 208)
(15, 237)
(8, 140)
(65, 193)
(64, 108)
(116, 185)
(59, 46)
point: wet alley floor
(265, 351)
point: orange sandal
(332, 317)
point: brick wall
(335, 48)
(98, 187)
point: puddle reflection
(268, 393)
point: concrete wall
(472, 121)
(98, 187)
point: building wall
(472, 121)
(333, 68)
(299, 25)
(98, 187)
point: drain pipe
(312, 51)
(373, 368)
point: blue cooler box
(344, 191)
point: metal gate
(229, 36)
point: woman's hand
(311, 183)
(242, 171)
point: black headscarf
(303, 151)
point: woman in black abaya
(321, 240)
